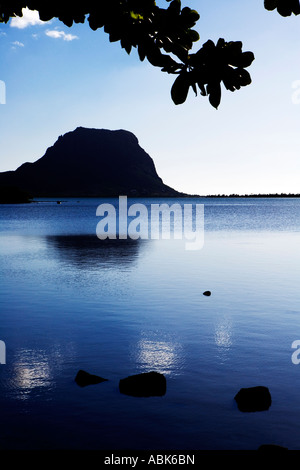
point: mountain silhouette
(91, 163)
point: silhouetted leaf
(221, 43)
(246, 59)
(202, 88)
(270, 4)
(214, 92)
(95, 21)
(180, 88)
(114, 36)
(141, 51)
(229, 79)
(175, 7)
(189, 17)
(195, 15)
(194, 35)
(244, 77)
(193, 85)
(295, 7)
(208, 45)
(284, 8)
(45, 15)
(66, 19)
(126, 45)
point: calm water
(70, 301)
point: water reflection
(35, 371)
(90, 252)
(31, 371)
(24, 245)
(223, 337)
(162, 355)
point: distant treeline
(13, 195)
(254, 195)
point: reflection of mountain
(87, 251)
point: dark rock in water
(272, 448)
(253, 399)
(84, 378)
(207, 293)
(144, 385)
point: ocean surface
(114, 308)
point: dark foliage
(163, 36)
(284, 7)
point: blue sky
(58, 78)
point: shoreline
(60, 199)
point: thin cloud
(29, 18)
(60, 35)
(18, 44)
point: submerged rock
(207, 293)
(144, 385)
(253, 399)
(84, 378)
